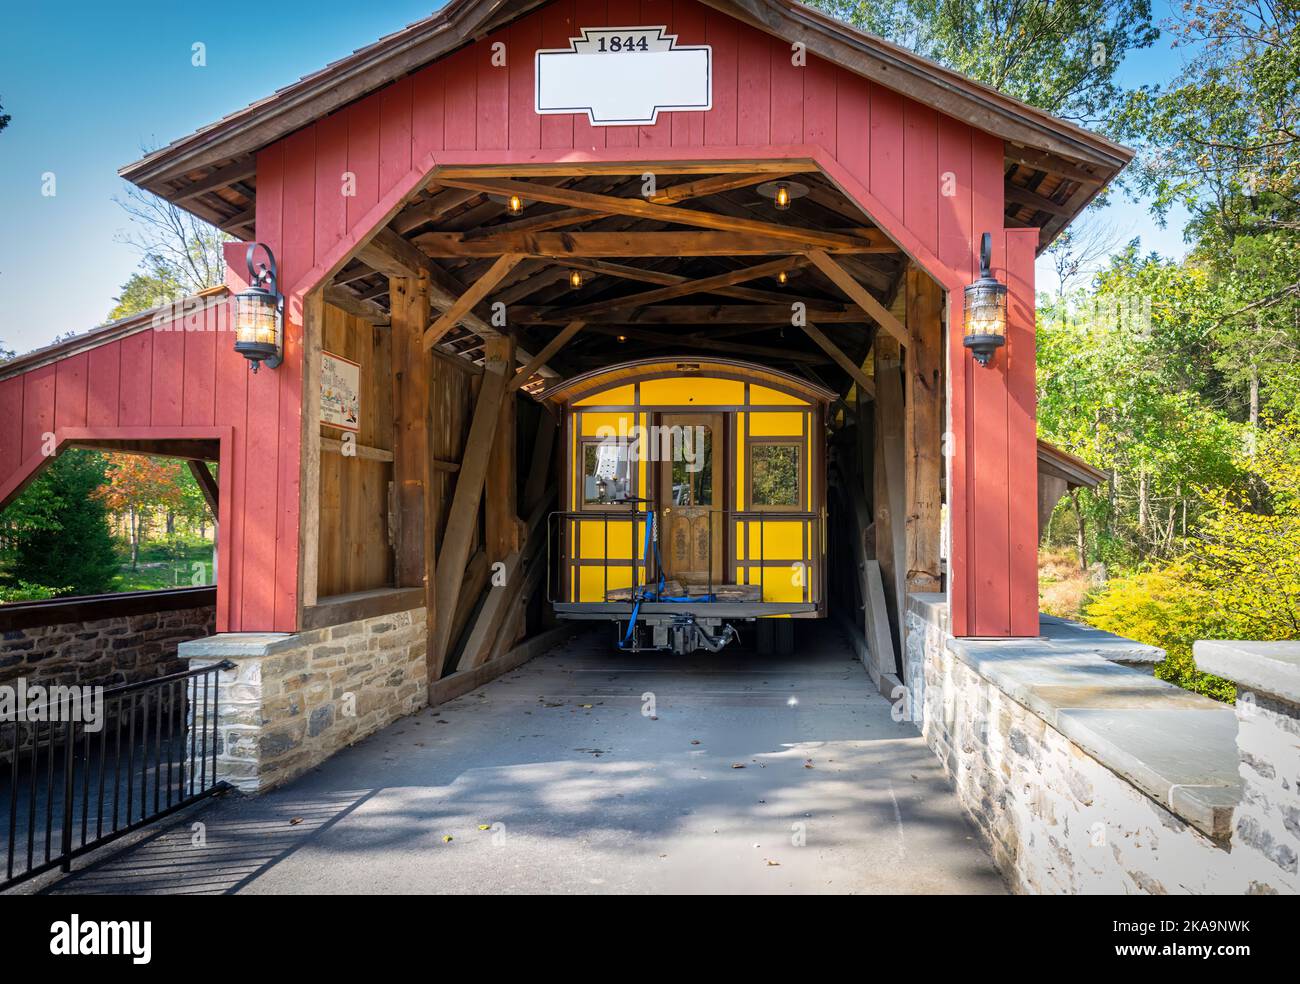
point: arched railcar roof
(577, 387)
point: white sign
(624, 76)
(340, 387)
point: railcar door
(691, 493)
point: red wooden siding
(179, 378)
(892, 155)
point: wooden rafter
(560, 219)
(548, 351)
(685, 287)
(865, 382)
(702, 342)
(691, 314)
(642, 209)
(207, 485)
(623, 244)
(860, 296)
(465, 303)
(616, 168)
(701, 187)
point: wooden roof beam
(642, 209)
(464, 304)
(865, 382)
(691, 314)
(684, 287)
(562, 245)
(859, 295)
(548, 352)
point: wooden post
(313, 325)
(889, 497)
(924, 432)
(501, 510)
(415, 550)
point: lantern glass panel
(986, 309)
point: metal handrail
(172, 757)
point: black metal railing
(722, 523)
(71, 781)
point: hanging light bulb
(783, 278)
(782, 197)
(575, 279)
(515, 205)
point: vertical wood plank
(921, 188)
(71, 380)
(38, 409)
(426, 111)
(200, 375)
(524, 37)
(363, 158)
(461, 112)
(954, 166)
(331, 214)
(1022, 436)
(987, 424)
(492, 98)
(297, 241)
(168, 375)
(720, 121)
(135, 398)
(853, 125)
(787, 94)
(887, 148)
(819, 103)
(102, 395)
(754, 88)
(394, 134)
(11, 426)
(231, 410)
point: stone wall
(1069, 767)
(106, 651)
(295, 699)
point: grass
(165, 565)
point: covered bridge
(454, 235)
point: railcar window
(606, 473)
(693, 467)
(774, 471)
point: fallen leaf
(485, 826)
(695, 741)
(737, 765)
(772, 864)
(446, 838)
(295, 821)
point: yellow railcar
(693, 501)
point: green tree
(180, 254)
(1059, 55)
(4, 117)
(59, 528)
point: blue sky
(90, 86)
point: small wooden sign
(340, 392)
(624, 76)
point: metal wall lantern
(259, 314)
(782, 193)
(985, 323)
